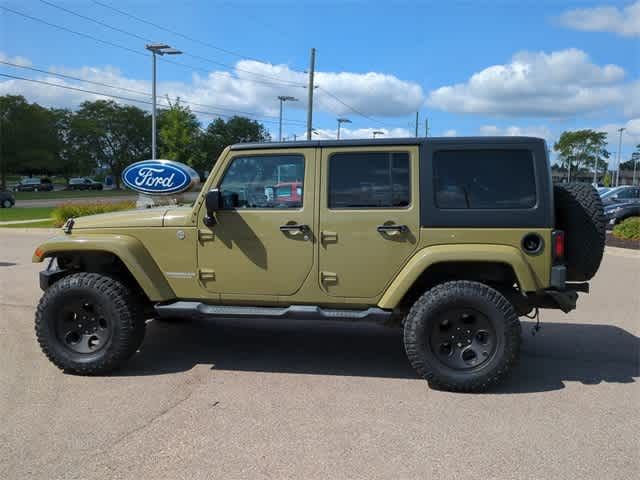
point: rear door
(369, 217)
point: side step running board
(297, 312)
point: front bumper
(51, 275)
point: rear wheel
(462, 336)
(88, 323)
(7, 203)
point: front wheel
(462, 336)
(7, 203)
(89, 324)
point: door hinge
(206, 274)
(205, 235)
(328, 277)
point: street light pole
(283, 98)
(620, 130)
(377, 132)
(340, 122)
(153, 109)
(156, 49)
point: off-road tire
(430, 307)
(579, 212)
(119, 304)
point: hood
(149, 217)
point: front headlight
(612, 212)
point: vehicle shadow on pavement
(560, 352)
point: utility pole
(156, 49)
(595, 171)
(375, 133)
(417, 120)
(312, 68)
(426, 127)
(283, 98)
(620, 130)
(340, 122)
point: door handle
(392, 229)
(294, 228)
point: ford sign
(159, 177)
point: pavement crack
(148, 423)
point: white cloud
(18, 60)
(516, 131)
(450, 133)
(630, 136)
(248, 89)
(624, 22)
(536, 84)
(632, 99)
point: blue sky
(500, 67)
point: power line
(139, 92)
(131, 50)
(70, 77)
(173, 32)
(117, 97)
(85, 35)
(338, 99)
(148, 40)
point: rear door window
(369, 180)
(484, 179)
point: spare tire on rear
(580, 214)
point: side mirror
(212, 202)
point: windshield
(611, 192)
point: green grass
(29, 213)
(62, 194)
(74, 210)
(629, 229)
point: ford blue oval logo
(159, 177)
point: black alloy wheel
(463, 339)
(82, 326)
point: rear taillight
(558, 245)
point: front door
(263, 241)
(369, 218)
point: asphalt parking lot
(305, 400)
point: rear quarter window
(484, 179)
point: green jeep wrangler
(453, 239)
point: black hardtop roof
(371, 142)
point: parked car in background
(7, 200)
(34, 185)
(618, 212)
(83, 183)
(603, 190)
(624, 194)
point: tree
(179, 135)
(635, 157)
(28, 141)
(111, 135)
(220, 134)
(582, 149)
(71, 159)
